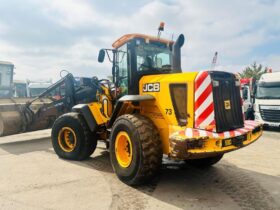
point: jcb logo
(151, 87)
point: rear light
(179, 99)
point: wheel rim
(123, 149)
(67, 139)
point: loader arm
(40, 112)
(61, 99)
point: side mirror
(244, 94)
(101, 56)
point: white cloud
(69, 13)
(272, 61)
(234, 29)
(72, 13)
(3, 28)
(79, 59)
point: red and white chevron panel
(204, 105)
(196, 133)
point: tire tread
(151, 147)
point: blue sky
(42, 37)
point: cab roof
(125, 38)
(270, 77)
(6, 63)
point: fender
(133, 98)
(84, 110)
(129, 98)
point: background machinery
(28, 114)
(152, 108)
(248, 86)
(267, 100)
(6, 79)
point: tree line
(254, 70)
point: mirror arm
(106, 50)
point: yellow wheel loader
(152, 108)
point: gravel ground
(33, 177)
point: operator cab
(137, 55)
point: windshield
(153, 56)
(268, 92)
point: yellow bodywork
(103, 108)
(210, 145)
(159, 109)
(96, 110)
(161, 112)
(214, 145)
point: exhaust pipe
(176, 54)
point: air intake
(178, 94)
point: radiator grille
(227, 101)
(270, 115)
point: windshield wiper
(267, 97)
(165, 70)
(159, 69)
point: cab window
(152, 56)
(122, 70)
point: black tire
(86, 141)
(205, 162)
(146, 149)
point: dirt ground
(33, 177)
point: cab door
(122, 71)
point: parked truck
(267, 100)
(30, 88)
(247, 87)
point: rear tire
(71, 137)
(205, 162)
(143, 144)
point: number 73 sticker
(168, 111)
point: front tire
(71, 137)
(135, 149)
